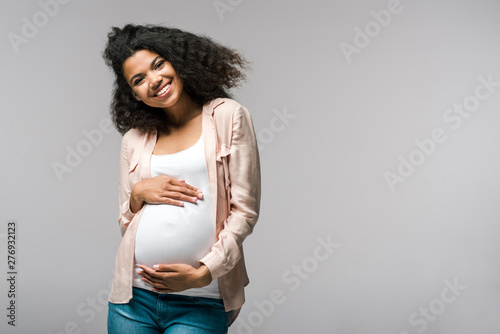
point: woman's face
(152, 79)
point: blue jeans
(150, 312)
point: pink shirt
(233, 168)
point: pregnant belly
(173, 234)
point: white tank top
(174, 234)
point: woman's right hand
(162, 189)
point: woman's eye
(159, 64)
(138, 81)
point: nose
(155, 82)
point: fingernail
(155, 267)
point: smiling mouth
(163, 90)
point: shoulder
(134, 134)
(228, 108)
(132, 137)
(225, 103)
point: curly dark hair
(206, 68)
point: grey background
(322, 168)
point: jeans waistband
(171, 296)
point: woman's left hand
(175, 277)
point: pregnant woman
(189, 187)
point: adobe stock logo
(293, 277)
(454, 118)
(277, 124)
(31, 27)
(222, 7)
(373, 28)
(436, 307)
(84, 147)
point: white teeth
(163, 90)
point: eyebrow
(138, 74)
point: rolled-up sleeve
(245, 185)
(126, 215)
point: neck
(183, 111)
